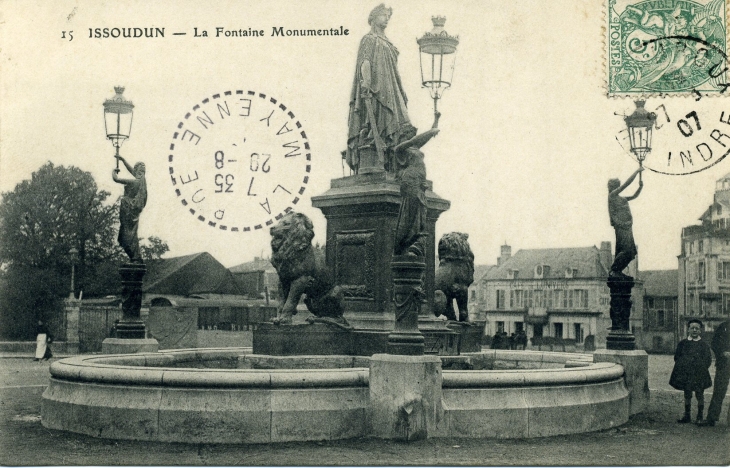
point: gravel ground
(652, 438)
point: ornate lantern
(118, 119)
(640, 125)
(438, 56)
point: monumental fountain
(374, 359)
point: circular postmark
(239, 160)
(690, 135)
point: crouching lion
(302, 271)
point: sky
(528, 136)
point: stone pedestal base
(636, 367)
(129, 345)
(407, 297)
(304, 339)
(362, 214)
(620, 336)
(405, 396)
(130, 329)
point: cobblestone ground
(652, 438)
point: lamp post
(74, 255)
(639, 125)
(437, 58)
(118, 119)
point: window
(726, 303)
(580, 297)
(519, 327)
(473, 296)
(723, 270)
(500, 298)
(500, 327)
(517, 298)
(660, 319)
(578, 332)
(700, 246)
(539, 298)
(558, 329)
(701, 271)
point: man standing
(720, 344)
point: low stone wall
(174, 396)
(112, 397)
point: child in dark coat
(690, 374)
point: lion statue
(301, 271)
(454, 274)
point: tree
(58, 209)
(153, 249)
(41, 220)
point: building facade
(704, 265)
(557, 293)
(258, 278)
(660, 310)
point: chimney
(505, 252)
(605, 255)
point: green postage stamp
(667, 47)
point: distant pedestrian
(42, 341)
(690, 374)
(720, 344)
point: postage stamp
(666, 47)
(239, 160)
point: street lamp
(73, 254)
(438, 57)
(639, 125)
(118, 119)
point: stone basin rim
(149, 369)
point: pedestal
(72, 309)
(129, 345)
(408, 295)
(405, 396)
(620, 336)
(362, 212)
(130, 332)
(636, 368)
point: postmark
(239, 160)
(666, 47)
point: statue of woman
(410, 231)
(378, 119)
(131, 205)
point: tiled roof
(189, 274)
(257, 264)
(480, 271)
(585, 259)
(660, 282)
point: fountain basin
(174, 396)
